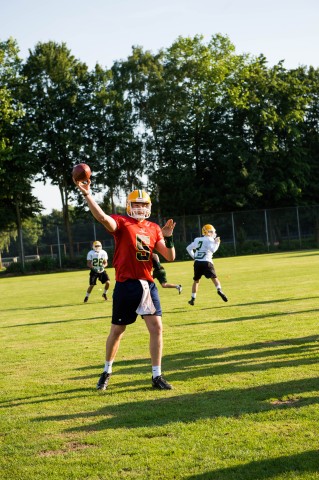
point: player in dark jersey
(135, 292)
(159, 273)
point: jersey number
(143, 253)
(97, 262)
(199, 255)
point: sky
(103, 31)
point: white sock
(219, 287)
(156, 371)
(108, 366)
(194, 295)
(87, 295)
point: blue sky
(105, 30)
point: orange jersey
(134, 244)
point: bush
(45, 264)
(251, 246)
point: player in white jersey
(202, 250)
(97, 260)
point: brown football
(81, 172)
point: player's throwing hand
(83, 187)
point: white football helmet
(97, 246)
(209, 231)
(141, 212)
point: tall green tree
(17, 203)
(56, 99)
(310, 134)
(222, 131)
(117, 144)
(179, 94)
(267, 118)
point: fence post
(59, 249)
(298, 225)
(21, 247)
(234, 236)
(266, 227)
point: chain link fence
(245, 232)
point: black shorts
(160, 275)
(203, 268)
(126, 299)
(102, 276)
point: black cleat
(179, 288)
(221, 294)
(160, 383)
(103, 381)
(192, 301)
(85, 299)
(104, 296)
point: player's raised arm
(97, 212)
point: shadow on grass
(249, 317)
(170, 409)
(280, 300)
(218, 361)
(55, 396)
(211, 367)
(267, 315)
(316, 253)
(191, 365)
(229, 305)
(53, 322)
(226, 320)
(45, 307)
(266, 469)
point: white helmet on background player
(97, 246)
(140, 212)
(209, 231)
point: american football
(81, 172)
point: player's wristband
(85, 194)
(169, 242)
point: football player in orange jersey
(135, 292)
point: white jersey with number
(97, 259)
(203, 248)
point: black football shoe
(221, 294)
(103, 381)
(192, 301)
(161, 384)
(85, 299)
(104, 296)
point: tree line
(202, 128)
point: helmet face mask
(209, 231)
(139, 212)
(97, 246)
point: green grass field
(245, 377)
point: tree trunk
(66, 218)
(20, 239)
